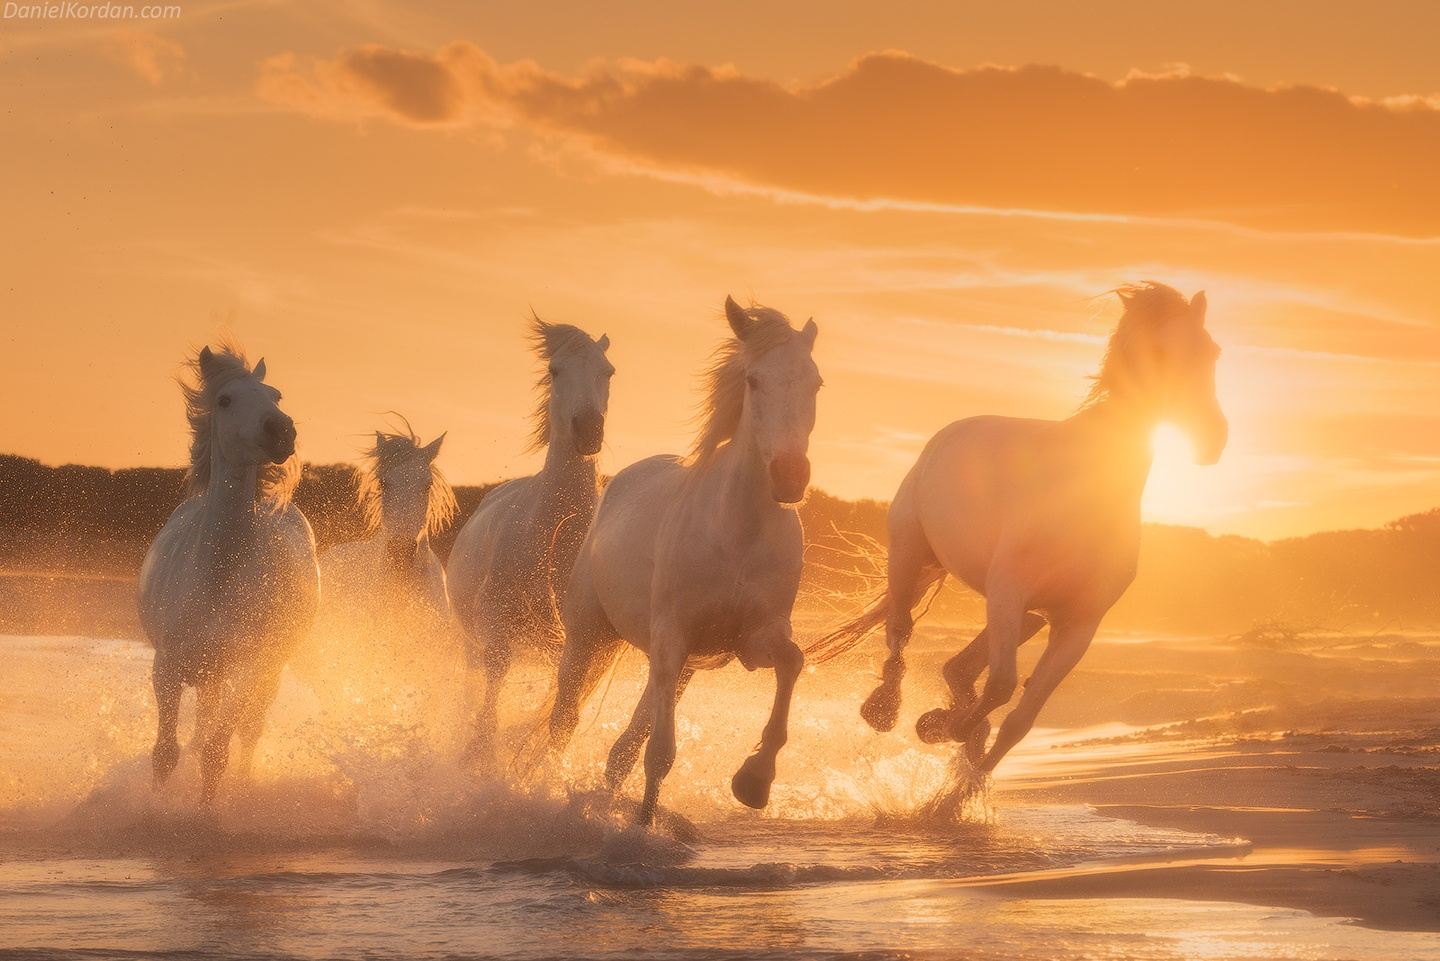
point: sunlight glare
(1176, 490)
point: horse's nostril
(279, 429)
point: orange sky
(373, 198)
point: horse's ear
(259, 372)
(1197, 306)
(603, 343)
(206, 358)
(809, 331)
(432, 449)
(739, 320)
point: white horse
(229, 588)
(406, 500)
(512, 559)
(1042, 518)
(698, 562)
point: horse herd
(696, 560)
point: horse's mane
(277, 482)
(549, 341)
(389, 451)
(720, 408)
(1144, 304)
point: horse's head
(1162, 356)
(1188, 355)
(247, 425)
(781, 383)
(403, 479)
(576, 387)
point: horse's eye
(224, 401)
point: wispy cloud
(896, 131)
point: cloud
(153, 58)
(895, 128)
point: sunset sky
(374, 198)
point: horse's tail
(847, 636)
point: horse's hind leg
(626, 749)
(909, 567)
(166, 753)
(751, 784)
(961, 673)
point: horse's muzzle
(789, 477)
(589, 430)
(279, 437)
(1211, 442)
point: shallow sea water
(361, 837)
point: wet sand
(1337, 793)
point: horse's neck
(744, 488)
(391, 533)
(229, 516)
(568, 479)
(1120, 429)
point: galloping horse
(1042, 518)
(406, 500)
(698, 562)
(512, 559)
(230, 585)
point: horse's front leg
(1069, 640)
(626, 750)
(496, 656)
(255, 707)
(774, 645)
(1004, 625)
(215, 738)
(960, 674)
(668, 653)
(166, 753)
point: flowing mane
(277, 482)
(1145, 303)
(389, 451)
(724, 400)
(549, 341)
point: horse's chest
(728, 593)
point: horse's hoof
(933, 727)
(751, 784)
(881, 709)
(163, 761)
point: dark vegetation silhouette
(72, 538)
